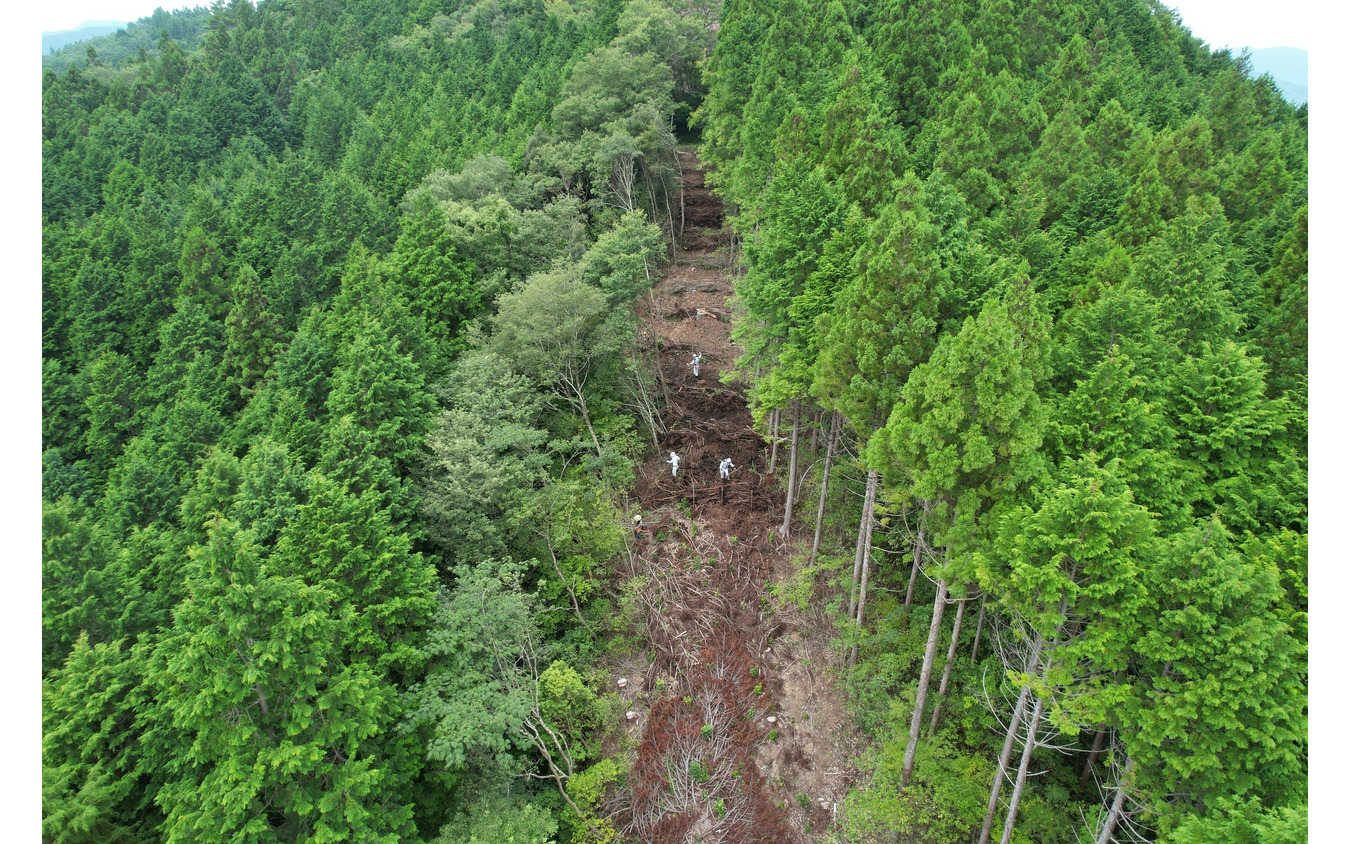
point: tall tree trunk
(773, 440)
(651, 193)
(792, 469)
(864, 535)
(660, 373)
(914, 570)
(1027, 748)
(830, 446)
(1092, 754)
(1118, 804)
(1005, 755)
(920, 696)
(947, 669)
(862, 587)
(679, 174)
(979, 625)
(586, 417)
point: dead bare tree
(930, 652)
(864, 537)
(830, 446)
(947, 668)
(862, 562)
(518, 666)
(792, 469)
(1028, 666)
(640, 400)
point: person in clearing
(725, 469)
(674, 462)
(695, 361)
(637, 526)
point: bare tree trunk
(914, 570)
(1005, 756)
(661, 374)
(792, 470)
(651, 193)
(679, 174)
(862, 588)
(979, 625)
(1118, 804)
(830, 446)
(921, 695)
(1092, 754)
(1027, 747)
(947, 669)
(864, 536)
(773, 440)
(586, 417)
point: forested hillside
(1048, 265)
(354, 374)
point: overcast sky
(1249, 23)
(57, 15)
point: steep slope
(739, 739)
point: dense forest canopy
(343, 392)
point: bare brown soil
(743, 736)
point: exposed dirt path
(743, 736)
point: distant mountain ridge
(1288, 66)
(52, 41)
(115, 43)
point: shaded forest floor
(741, 732)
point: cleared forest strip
(720, 758)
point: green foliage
(483, 457)
(623, 259)
(98, 775)
(587, 788)
(508, 820)
(882, 324)
(968, 427)
(1220, 676)
(945, 803)
(1244, 822)
(248, 641)
(322, 321)
(470, 701)
(438, 288)
(137, 42)
(567, 704)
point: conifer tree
(281, 724)
(1073, 571)
(966, 432)
(438, 287)
(343, 540)
(1218, 709)
(252, 334)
